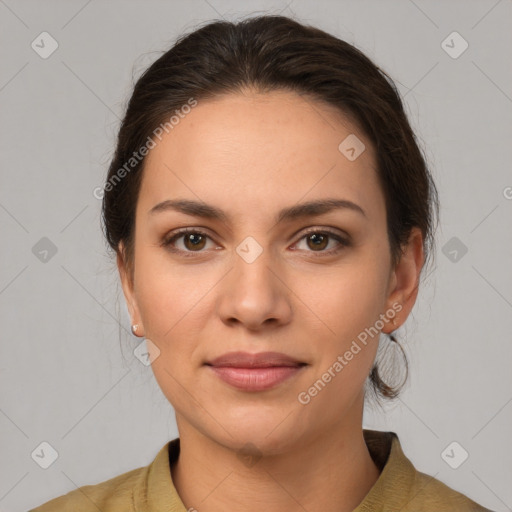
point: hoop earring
(390, 335)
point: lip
(255, 372)
(258, 360)
(255, 379)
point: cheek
(347, 307)
(344, 301)
(172, 307)
(171, 297)
(347, 304)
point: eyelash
(168, 241)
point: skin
(252, 154)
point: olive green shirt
(400, 487)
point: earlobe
(128, 292)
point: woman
(271, 214)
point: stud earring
(134, 329)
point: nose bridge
(253, 291)
(253, 267)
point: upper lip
(258, 360)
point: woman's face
(257, 281)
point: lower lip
(255, 379)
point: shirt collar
(155, 491)
(396, 477)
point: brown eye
(318, 241)
(193, 241)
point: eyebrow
(308, 209)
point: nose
(255, 294)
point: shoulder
(111, 495)
(428, 494)
(142, 489)
(401, 486)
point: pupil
(317, 239)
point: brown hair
(268, 53)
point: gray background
(66, 375)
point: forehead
(249, 150)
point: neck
(332, 472)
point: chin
(254, 443)
(270, 433)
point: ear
(404, 280)
(127, 282)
